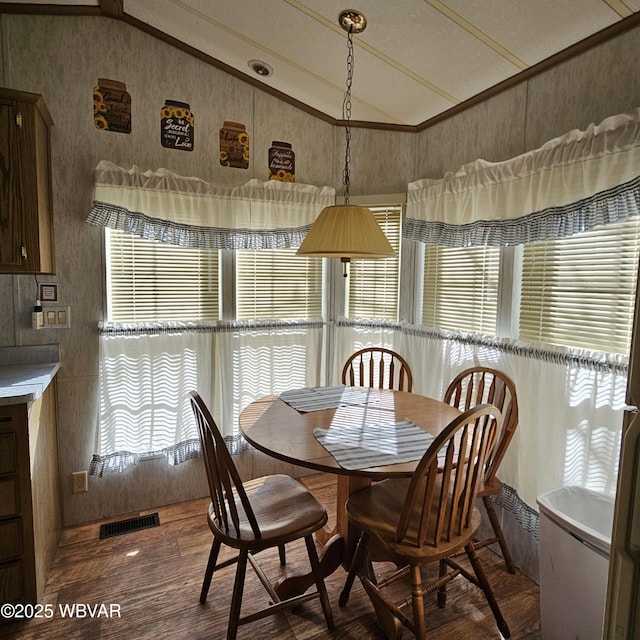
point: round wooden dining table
(274, 427)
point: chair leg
(483, 582)
(283, 556)
(211, 565)
(236, 599)
(417, 602)
(356, 561)
(497, 529)
(442, 591)
(319, 580)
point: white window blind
(580, 291)
(277, 284)
(373, 285)
(149, 281)
(461, 288)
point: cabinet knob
(23, 252)
(19, 120)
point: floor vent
(127, 526)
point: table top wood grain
(277, 429)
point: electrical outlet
(79, 482)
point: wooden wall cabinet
(30, 520)
(26, 228)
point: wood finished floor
(154, 575)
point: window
(574, 292)
(580, 291)
(461, 288)
(373, 285)
(148, 281)
(277, 284)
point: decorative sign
(234, 145)
(48, 292)
(111, 106)
(282, 162)
(176, 126)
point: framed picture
(48, 292)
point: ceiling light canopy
(260, 68)
(347, 231)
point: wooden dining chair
(379, 368)
(475, 386)
(253, 516)
(428, 518)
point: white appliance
(575, 538)
(622, 617)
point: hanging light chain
(346, 115)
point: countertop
(25, 372)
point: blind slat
(461, 288)
(580, 291)
(148, 281)
(373, 286)
(277, 284)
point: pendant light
(347, 231)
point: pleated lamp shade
(346, 231)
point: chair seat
(284, 509)
(376, 510)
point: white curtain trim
(583, 358)
(609, 207)
(569, 183)
(188, 211)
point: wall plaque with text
(111, 106)
(176, 126)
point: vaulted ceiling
(415, 61)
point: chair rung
(480, 544)
(459, 569)
(394, 577)
(387, 609)
(263, 578)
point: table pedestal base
(338, 543)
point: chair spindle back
(228, 496)
(440, 500)
(479, 385)
(377, 367)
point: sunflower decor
(111, 106)
(234, 145)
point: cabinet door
(10, 245)
(26, 238)
(17, 552)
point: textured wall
(62, 57)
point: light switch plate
(57, 317)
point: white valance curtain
(571, 184)
(186, 211)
